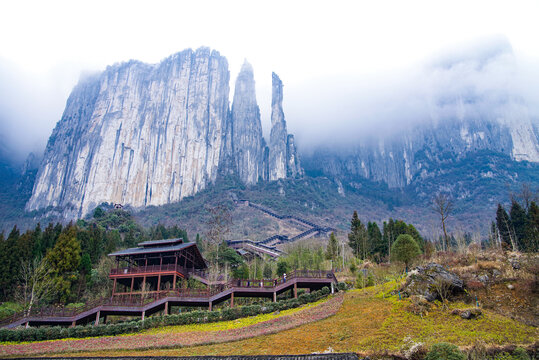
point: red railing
(141, 299)
(149, 269)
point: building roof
(160, 242)
(149, 250)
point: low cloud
(30, 106)
(475, 81)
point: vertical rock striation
(247, 140)
(137, 134)
(283, 158)
(142, 135)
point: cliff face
(142, 135)
(247, 137)
(427, 150)
(283, 159)
(138, 134)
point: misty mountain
(150, 135)
(472, 106)
(141, 135)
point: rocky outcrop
(138, 134)
(431, 281)
(142, 135)
(283, 157)
(247, 140)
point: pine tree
(268, 272)
(519, 220)
(358, 238)
(378, 245)
(332, 250)
(64, 259)
(388, 236)
(505, 229)
(533, 227)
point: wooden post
(143, 314)
(97, 318)
(295, 290)
(232, 300)
(143, 284)
(210, 307)
(159, 283)
(166, 308)
(132, 283)
(274, 296)
(114, 287)
(73, 323)
(174, 282)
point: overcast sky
(320, 49)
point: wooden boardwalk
(161, 301)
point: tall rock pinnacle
(283, 158)
(278, 135)
(141, 135)
(246, 128)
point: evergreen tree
(533, 227)
(241, 272)
(358, 238)
(282, 267)
(388, 236)
(405, 249)
(64, 259)
(505, 229)
(378, 245)
(37, 240)
(268, 272)
(519, 220)
(393, 228)
(332, 251)
(9, 264)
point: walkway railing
(142, 299)
(148, 269)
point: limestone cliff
(283, 158)
(247, 128)
(137, 134)
(142, 135)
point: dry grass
(368, 322)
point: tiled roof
(160, 242)
(149, 250)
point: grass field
(366, 322)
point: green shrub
(197, 316)
(445, 351)
(518, 354)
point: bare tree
(36, 282)
(218, 224)
(526, 195)
(443, 205)
(443, 289)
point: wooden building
(154, 267)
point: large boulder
(431, 280)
